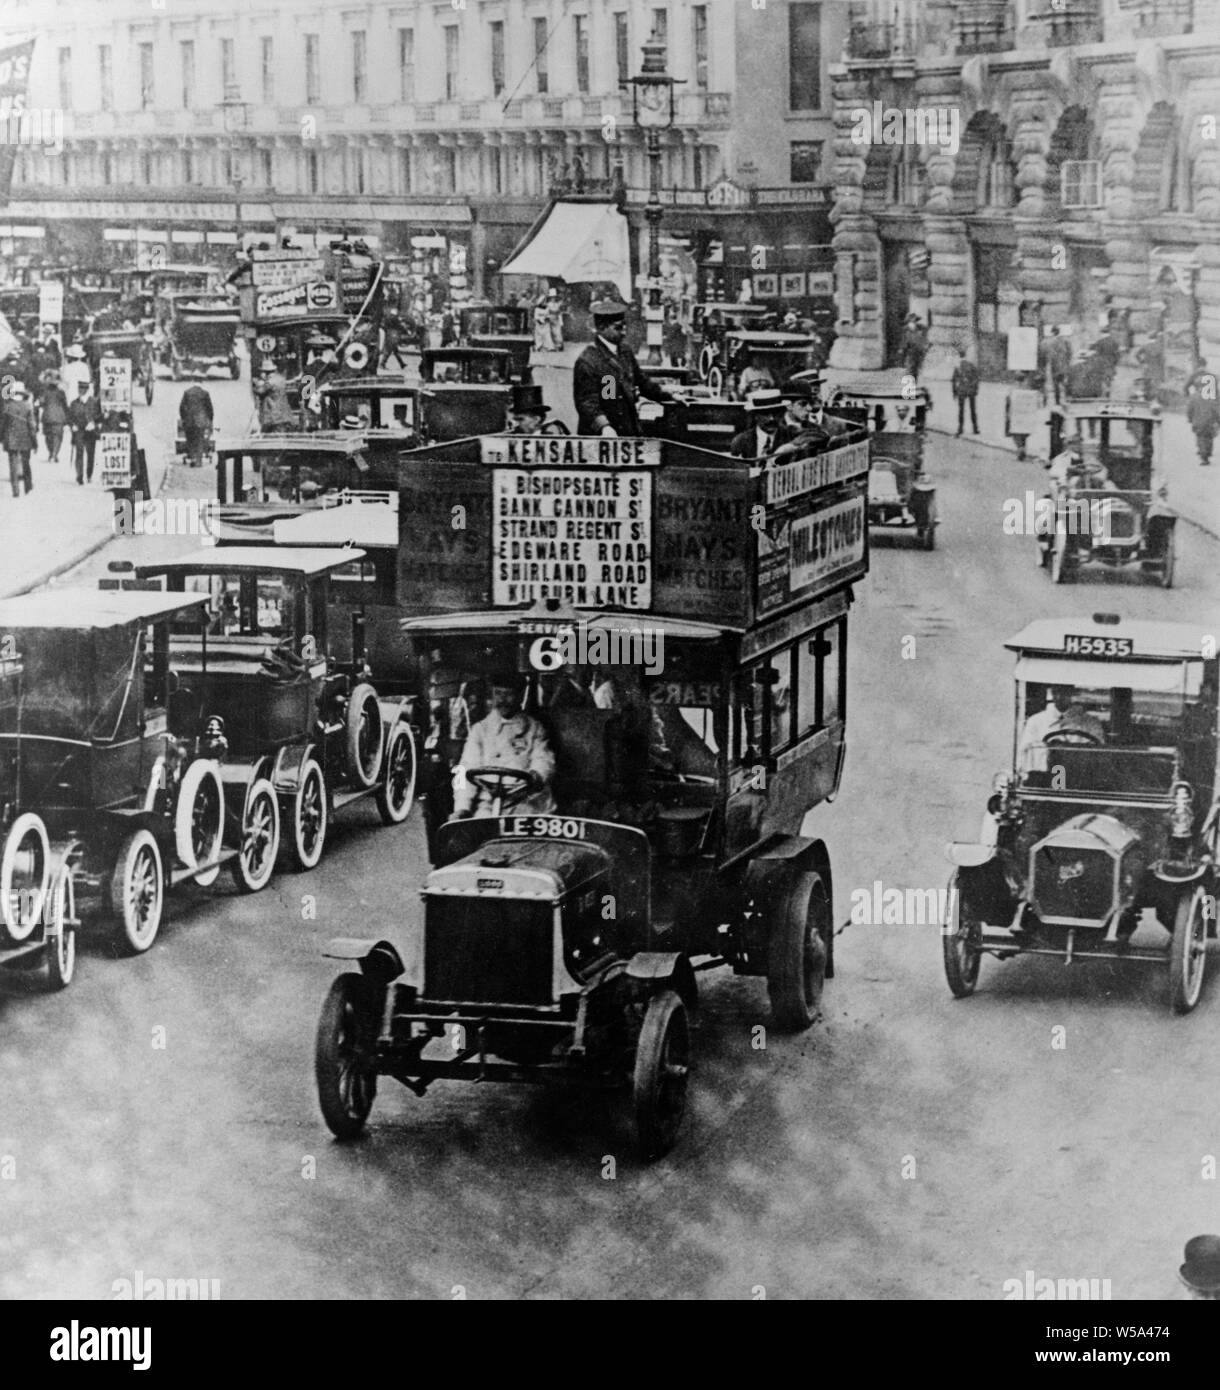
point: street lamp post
(652, 97)
(235, 118)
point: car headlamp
(1181, 810)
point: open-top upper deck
(636, 526)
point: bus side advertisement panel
(702, 544)
(444, 518)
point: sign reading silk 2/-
(14, 89)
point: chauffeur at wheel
(507, 758)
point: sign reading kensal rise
(570, 449)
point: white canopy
(577, 242)
(1156, 677)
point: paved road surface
(907, 1146)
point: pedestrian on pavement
(542, 325)
(673, 339)
(1202, 378)
(965, 386)
(1203, 416)
(195, 415)
(53, 407)
(275, 415)
(1108, 352)
(76, 369)
(607, 380)
(85, 418)
(1055, 358)
(52, 345)
(20, 436)
(554, 313)
(391, 341)
(914, 346)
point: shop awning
(577, 243)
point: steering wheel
(1072, 738)
(506, 784)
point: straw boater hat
(352, 422)
(765, 402)
(75, 351)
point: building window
(146, 77)
(313, 86)
(805, 161)
(622, 50)
(107, 162)
(188, 166)
(540, 63)
(997, 176)
(228, 67)
(698, 171)
(804, 57)
(660, 26)
(355, 160)
(311, 169)
(582, 52)
(186, 51)
(105, 78)
(265, 172)
(266, 53)
(497, 169)
(497, 56)
(699, 26)
(146, 170)
(406, 65)
(65, 78)
(451, 62)
(359, 61)
(405, 179)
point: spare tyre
(363, 737)
(25, 876)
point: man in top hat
(607, 381)
(1201, 1272)
(758, 440)
(527, 413)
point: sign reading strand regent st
(579, 535)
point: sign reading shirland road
(578, 534)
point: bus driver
(506, 737)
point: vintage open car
(389, 412)
(294, 716)
(267, 477)
(711, 320)
(140, 286)
(38, 918)
(133, 344)
(1107, 496)
(114, 787)
(900, 493)
(747, 356)
(505, 326)
(196, 332)
(468, 390)
(1110, 811)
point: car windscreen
(254, 607)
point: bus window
(819, 679)
(781, 699)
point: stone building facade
(1083, 181)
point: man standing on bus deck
(607, 380)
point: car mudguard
(394, 709)
(379, 960)
(285, 772)
(766, 877)
(659, 966)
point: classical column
(1119, 121)
(1043, 270)
(860, 340)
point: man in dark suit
(607, 381)
(760, 437)
(195, 416)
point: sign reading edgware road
(573, 534)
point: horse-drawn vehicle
(115, 786)
(1107, 503)
(900, 493)
(312, 728)
(1111, 810)
(196, 332)
(666, 829)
